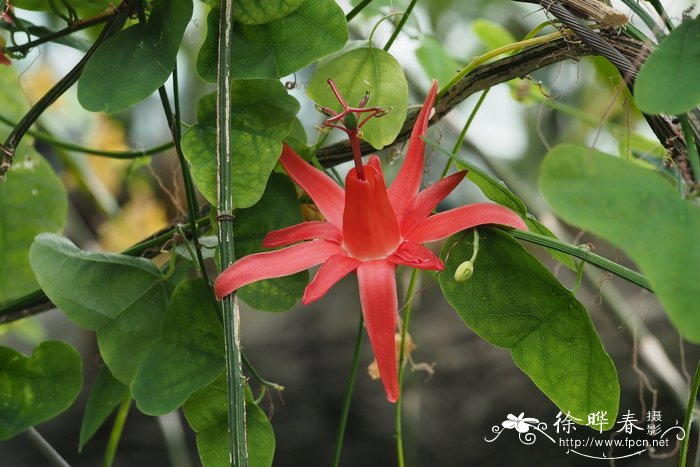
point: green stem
(78, 26)
(47, 138)
(401, 24)
(495, 53)
(399, 402)
(116, 433)
(463, 133)
(224, 156)
(8, 149)
(190, 194)
(45, 448)
(644, 16)
(688, 422)
(355, 11)
(349, 389)
(257, 375)
(692, 146)
(592, 258)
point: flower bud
(464, 271)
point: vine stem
(231, 314)
(349, 390)
(400, 26)
(688, 422)
(398, 429)
(592, 258)
(46, 449)
(481, 59)
(116, 433)
(47, 138)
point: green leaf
(435, 61)
(188, 356)
(514, 302)
(667, 81)
(256, 12)
(37, 388)
(357, 72)
(32, 201)
(263, 114)
(120, 297)
(106, 394)
(493, 35)
(639, 211)
(278, 208)
(133, 63)
(273, 50)
(206, 412)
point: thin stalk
(47, 138)
(463, 133)
(495, 53)
(349, 390)
(257, 375)
(692, 146)
(592, 258)
(401, 24)
(645, 17)
(190, 194)
(77, 26)
(231, 314)
(398, 429)
(116, 433)
(355, 11)
(688, 422)
(45, 448)
(662, 13)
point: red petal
(271, 264)
(335, 268)
(311, 230)
(407, 182)
(427, 200)
(375, 162)
(416, 256)
(327, 195)
(377, 280)
(449, 222)
(370, 229)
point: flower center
(370, 228)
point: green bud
(350, 121)
(464, 271)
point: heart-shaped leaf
(133, 63)
(106, 394)
(121, 297)
(188, 356)
(357, 72)
(206, 412)
(263, 114)
(37, 388)
(639, 211)
(514, 302)
(667, 81)
(273, 50)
